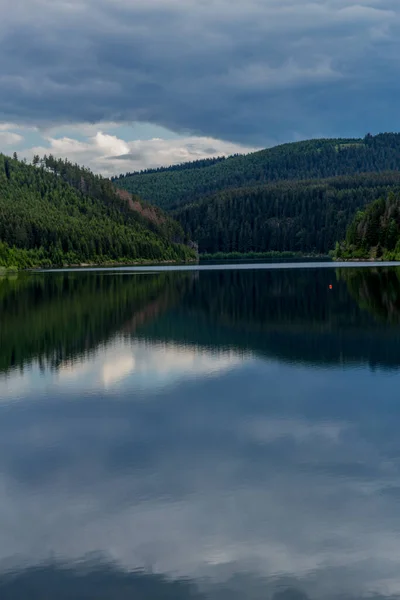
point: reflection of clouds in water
(135, 364)
(228, 481)
(114, 371)
(268, 430)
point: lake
(215, 433)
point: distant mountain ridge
(194, 164)
(293, 197)
(172, 187)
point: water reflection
(104, 581)
(175, 431)
(377, 291)
(56, 319)
(134, 365)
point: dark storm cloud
(249, 72)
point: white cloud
(8, 135)
(111, 155)
(9, 138)
(110, 144)
(7, 126)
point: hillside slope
(374, 232)
(307, 216)
(179, 185)
(56, 213)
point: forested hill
(179, 185)
(297, 216)
(374, 232)
(56, 213)
(295, 197)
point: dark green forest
(297, 197)
(374, 233)
(54, 213)
(290, 216)
(314, 159)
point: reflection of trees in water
(292, 315)
(288, 314)
(105, 582)
(264, 299)
(57, 317)
(102, 581)
(376, 290)
(63, 582)
(259, 302)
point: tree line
(194, 164)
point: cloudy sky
(122, 85)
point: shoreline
(136, 263)
(145, 262)
(254, 256)
(374, 260)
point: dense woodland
(374, 232)
(295, 216)
(56, 213)
(312, 159)
(294, 197)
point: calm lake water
(205, 434)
